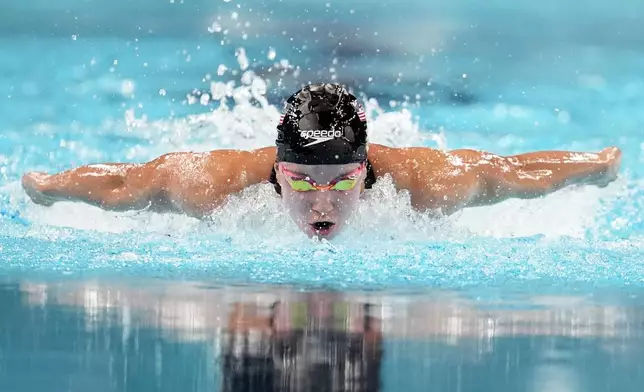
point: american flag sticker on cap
(361, 114)
(281, 120)
(360, 111)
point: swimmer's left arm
(496, 178)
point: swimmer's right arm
(112, 186)
(190, 183)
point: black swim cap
(322, 124)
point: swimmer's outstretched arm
(536, 174)
(191, 183)
(449, 181)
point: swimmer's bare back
(198, 183)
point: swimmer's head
(321, 159)
(322, 124)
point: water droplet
(242, 59)
(127, 87)
(214, 28)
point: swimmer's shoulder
(385, 159)
(199, 182)
(253, 165)
(260, 160)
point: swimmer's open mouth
(322, 227)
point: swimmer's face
(320, 213)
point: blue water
(527, 295)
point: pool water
(150, 335)
(526, 295)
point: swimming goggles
(301, 183)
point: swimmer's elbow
(141, 187)
(123, 199)
(499, 183)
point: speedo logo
(319, 136)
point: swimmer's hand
(34, 185)
(612, 158)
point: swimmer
(320, 166)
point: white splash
(568, 212)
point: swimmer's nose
(323, 203)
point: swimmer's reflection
(320, 344)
